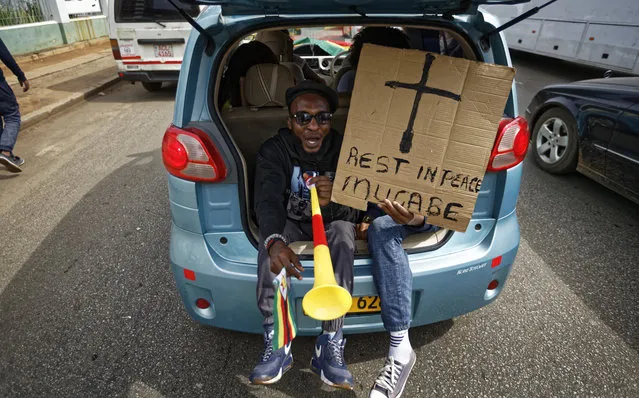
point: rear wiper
(357, 10)
(150, 19)
(531, 12)
(158, 22)
(210, 45)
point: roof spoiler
(210, 43)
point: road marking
(141, 390)
(51, 148)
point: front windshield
(328, 41)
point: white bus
(148, 38)
(599, 33)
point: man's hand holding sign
(420, 132)
(400, 215)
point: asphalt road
(88, 306)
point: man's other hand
(361, 232)
(25, 85)
(400, 215)
(283, 257)
(324, 187)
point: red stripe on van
(153, 63)
(133, 57)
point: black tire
(152, 86)
(567, 161)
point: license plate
(127, 48)
(365, 304)
(163, 50)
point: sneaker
(392, 379)
(11, 162)
(273, 363)
(328, 361)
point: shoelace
(268, 350)
(335, 351)
(389, 375)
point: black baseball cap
(313, 87)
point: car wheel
(152, 86)
(555, 141)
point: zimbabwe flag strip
(285, 328)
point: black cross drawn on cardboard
(421, 88)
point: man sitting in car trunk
(282, 206)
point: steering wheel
(333, 72)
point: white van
(148, 38)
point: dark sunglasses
(303, 118)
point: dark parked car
(591, 126)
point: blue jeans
(10, 113)
(391, 270)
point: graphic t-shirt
(299, 199)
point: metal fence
(18, 12)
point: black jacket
(7, 59)
(279, 191)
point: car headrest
(279, 42)
(266, 84)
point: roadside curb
(13, 80)
(50, 110)
(43, 54)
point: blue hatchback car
(209, 152)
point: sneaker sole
(326, 381)
(10, 166)
(276, 378)
(410, 365)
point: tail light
(115, 47)
(202, 303)
(190, 154)
(511, 144)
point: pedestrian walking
(10, 112)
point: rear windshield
(152, 10)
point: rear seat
(264, 91)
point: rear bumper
(444, 286)
(150, 76)
(531, 112)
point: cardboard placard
(420, 130)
